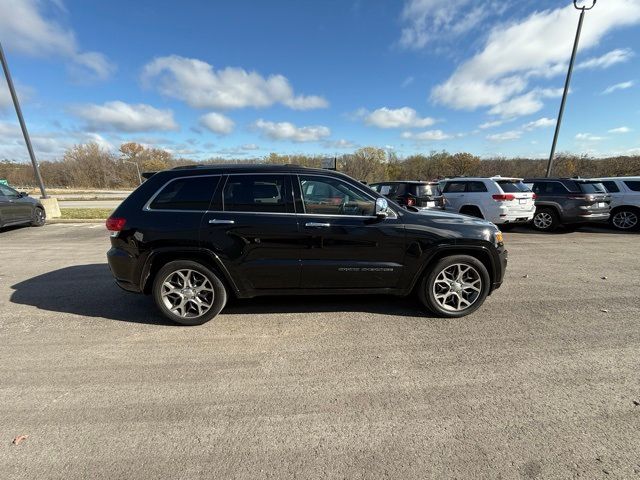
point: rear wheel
(38, 217)
(625, 219)
(188, 293)
(456, 286)
(545, 220)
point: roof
(240, 167)
(558, 179)
(635, 179)
(413, 182)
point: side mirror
(382, 208)
(23, 194)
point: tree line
(90, 166)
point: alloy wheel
(625, 220)
(543, 220)
(187, 293)
(457, 287)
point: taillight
(534, 196)
(506, 197)
(411, 202)
(115, 224)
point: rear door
(253, 228)
(345, 245)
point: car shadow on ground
(89, 290)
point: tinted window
(331, 196)
(455, 187)
(255, 193)
(513, 187)
(476, 187)
(633, 185)
(549, 188)
(595, 187)
(193, 193)
(428, 190)
(388, 189)
(611, 187)
(8, 191)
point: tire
(441, 279)
(545, 220)
(625, 219)
(472, 212)
(193, 276)
(38, 217)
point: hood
(447, 218)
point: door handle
(221, 222)
(317, 225)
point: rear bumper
(123, 268)
(514, 217)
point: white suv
(500, 200)
(625, 201)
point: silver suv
(625, 201)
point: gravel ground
(543, 382)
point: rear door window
(189, 194)
(255, 193)
(549, 188)
(476, 187)
(455, 187)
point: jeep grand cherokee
(191, 237)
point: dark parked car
(18, 208)
(193, 236)
(412, 193)
(568, 201)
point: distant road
(89, 203)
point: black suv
(193, 236)
(568, 201)
(412, 193)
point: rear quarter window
(190, 193)
(633, 185)
(513, 187)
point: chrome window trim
(147, 206)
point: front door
(345, 244)
(252, 227)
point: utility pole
(567, 82)
(23, 126)
(137, 169)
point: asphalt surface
(543, 382)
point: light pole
(23, 126)
(567, 82)
(137, 169)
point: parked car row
(543, 203)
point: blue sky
(244, 78)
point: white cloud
(516, 52)
(26, 30)
(428, 135)
(199, 85)
(543, 122)
(587, 137)
(217, 123)
(404, 117)
(288, 131)
(125, 117)
(407, 81)
(620, 130)
(618, 86)
(430, 20)
(505, 136)
(490, 124)
(619, 55)
(342, 143)
(249, 146)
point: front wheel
(188, 293)
(545, 220)
(39, 217)
(456, 286)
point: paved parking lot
(543, 382)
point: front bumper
(500, 268)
